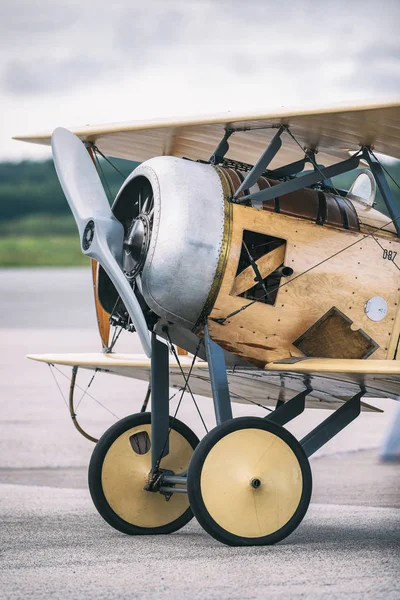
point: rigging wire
(253, 402)
(385, 169)
(58, 385)
(97, 150)
(173, 395)
(395, 182)
(383, 249)
(103, 177)
(370, 227)
(178, 406)
(310, 158)
(186, 380)
(87, 394)
(116, 333)
(114, 339)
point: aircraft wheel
(119, 469)
(249, 482)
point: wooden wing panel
(333, 131)
(333, 381)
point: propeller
(101, 234)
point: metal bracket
(222, 148)
(218, 378)
(159, 401)
(290, 409)
(303, 181)
(387, 195)
(331, 426)
(262, 163)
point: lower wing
(333, 381)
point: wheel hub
(255, 483)
(136, 245)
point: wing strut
(290, 409)
(218, 378)
(222, 148)
(159, 401)
(387, 195)
(262, 163)
(331, 426)
(310, 178)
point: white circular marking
(376, 308)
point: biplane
(232, 241)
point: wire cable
(385, 169)
(57, 384)
(177, 409)
(103, 177)
(97, 150)
(186, 380)
(309, 157)
(87, 394)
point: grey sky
(65, 62)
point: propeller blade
(78, 177)
(101, 234)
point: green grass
(41, 251)
(40, 240)
(41, 224)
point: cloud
(142, 31)
(246, 38)
(24, 77)
(33, 19)
(381, 53)
(71, 62)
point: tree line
(31, 188)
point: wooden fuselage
(346, 280)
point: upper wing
(332, 380)
(333, 131)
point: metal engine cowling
(182, 254)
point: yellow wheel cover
(227, 473)
(124, 475)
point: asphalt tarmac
(53, 544)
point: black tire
(115, 434)
(220, 470)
